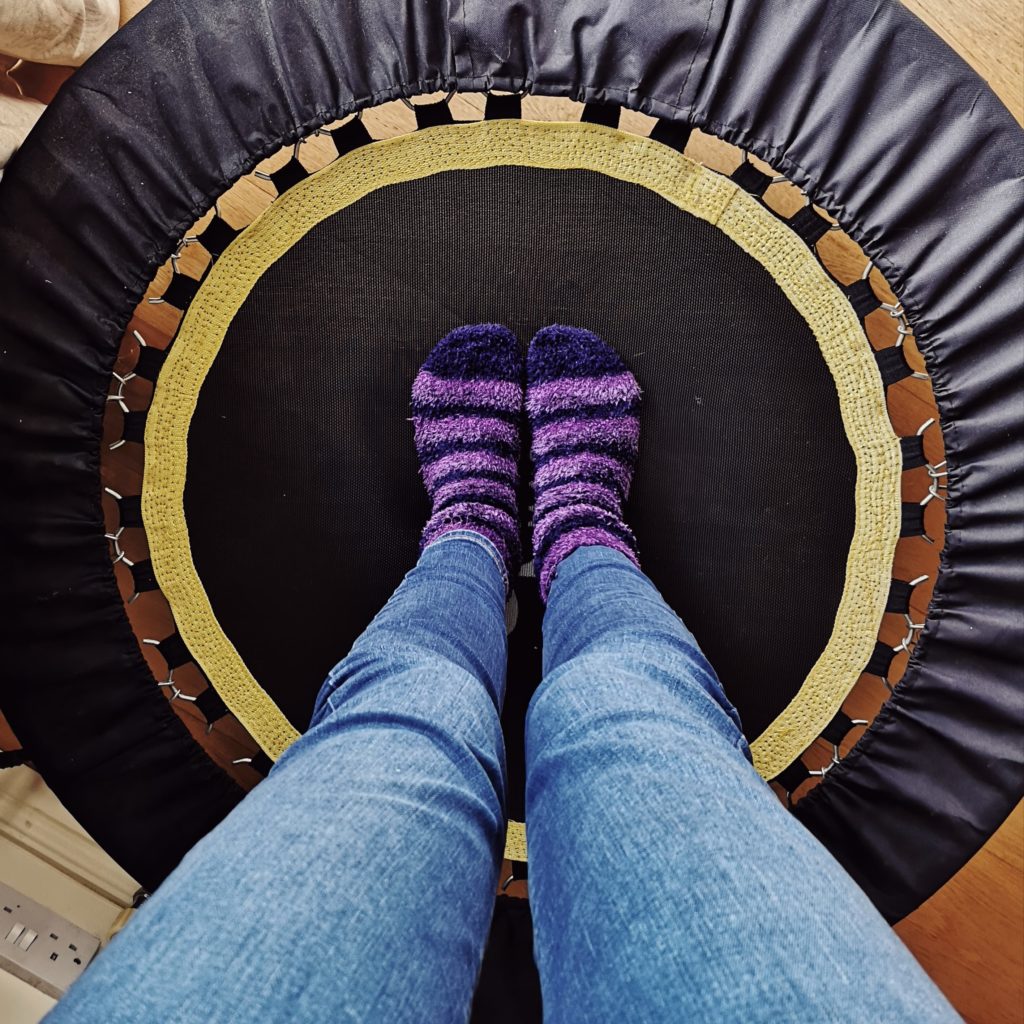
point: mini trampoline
(222, 262)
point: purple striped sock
(467, 404)
(583, 407)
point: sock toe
(561, 351)
(476, 352)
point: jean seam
(481, 541)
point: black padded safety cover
(854, 99)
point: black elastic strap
(217, 235)
(881, 659)
(912, 519)
(898, 601)
(181, 291)
(507, 107)
(130, 510)
(913, 451)
(285, 177)
(211, 705)
(262, 763)
(351, 135)
(675, 134)
(602, 113)
(809, 224)
(431, 115)
(862, 297)
(836, 730)
(134, 428)
(143, 576)
(750, 179)
(12, 758)
(174, 651)
(892, 364)
(520, 870)
(791, 778)
(150, 360)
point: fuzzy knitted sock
(582, 404)
(467, 404)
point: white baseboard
(31, 817)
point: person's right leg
(667, 882)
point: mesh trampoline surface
(326, 488)
(288, 389)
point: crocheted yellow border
(651, 165)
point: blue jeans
(357, 882)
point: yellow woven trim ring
(558, 146)
(848, 355)
(515, 841)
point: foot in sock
(467, 404)
(583, 409)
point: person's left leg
(357, 882)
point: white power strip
(39, 946)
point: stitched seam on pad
(696, 54)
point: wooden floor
(970, 935)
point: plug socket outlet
(39, 946)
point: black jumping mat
(303, 500)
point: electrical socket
(39, 946)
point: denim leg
(357, 882)
(667, 882)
